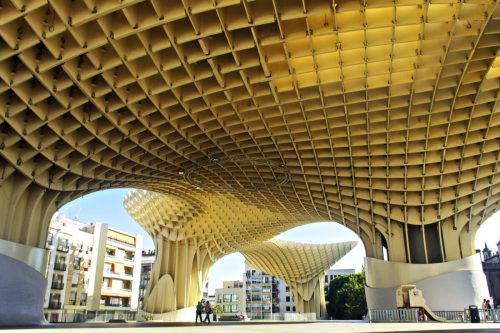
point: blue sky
(107, 207)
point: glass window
(288, 298)
(288, 309)
(235, 308)
(226, 308)
(287, 289)
(227, 297)
(235, 298)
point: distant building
(333, 273)
(231, 297)
(91, 268)
(147, 263)
(491, 268)
(262, 294)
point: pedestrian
(208, 312)
(199, 310)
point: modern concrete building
(247, 118)
(262, 296)
(232, 298)
(91, 268)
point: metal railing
(72, 316)
(63, 248)
(395, 315)
(412, 315)
(57, 285)
(58, 266)
(491, 315)
(55, 305)
(458, 316)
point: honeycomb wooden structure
(301, 266)
(382, 115)
(193, 230)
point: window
(287, 298)
(235, 298)
(50, 239)
(129, 271)
(235, 308)
(227, 298)
(326, 278)
(294, 309)
(219, 298)
(83, 299)
(287, 289)
(127, 285)
(226, 308)
(287, 309)
(106, 283)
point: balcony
(57, 285)
(55, 304)
(59, 266)
(63, 248)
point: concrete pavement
(268, 327)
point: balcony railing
(58, 266)
(63, 248)
(57, 285)
(55, 304)
(128, 274)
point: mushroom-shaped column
(181, 264)
(191, 230)
(302, 266)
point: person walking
(199, 310)
(208, 312)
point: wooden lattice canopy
(377, 114)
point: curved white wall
(451, 285)
(24, 288)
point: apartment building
(231, 297)
(262, 293)
(91, 268)
(122, 271)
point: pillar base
(22, 286)
(452, 285)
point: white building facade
(92, 269)
(232, 298)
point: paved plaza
(266, 327)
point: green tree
(346, 297)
